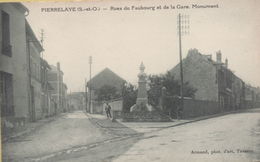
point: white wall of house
(17, 63)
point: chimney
(218, 57)
(58, 66)
(226, 63)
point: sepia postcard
(130, 81)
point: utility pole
(90, 62)
(86, 95)
(70, 101)
(183, 29)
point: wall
(116, 105)
(17, 64)
(97, 107)
(116, 108)
(195, 108)
(35, 79)
(54, 76)
(200, 72)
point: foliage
(172, 88)
(107, 92)
(129, 94)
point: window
(6, 94)
(6, 47)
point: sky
(121, 40)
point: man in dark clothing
(108, 110)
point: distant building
(14, 98)
(55, 78)
(76, 101)
(213, 80)
(252, 96)
(105, 77)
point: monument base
(145, 116)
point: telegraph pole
(90, 62)
(86, 95)
(183, 28)
(70, 101)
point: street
(73, 137)
(232, 138)
(65, 132)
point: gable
(106, 77)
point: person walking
(108, 110)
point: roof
(20, 7)
(194, 53)
(31, 37)
(106, 77)
(54, 69)
(45, 63)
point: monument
(142, 111)
(142, 99)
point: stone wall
(196, 108)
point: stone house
(105, 77)
(14, 98)
(213, 80)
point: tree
(172, 86)
(107, 92)
(129, 94)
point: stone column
(142, 99)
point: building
(105, 78)
(58, 93)
(213, 80)
(14, 98)
(35, 91)
(76, 101)
(47, 103)
(64, 103)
